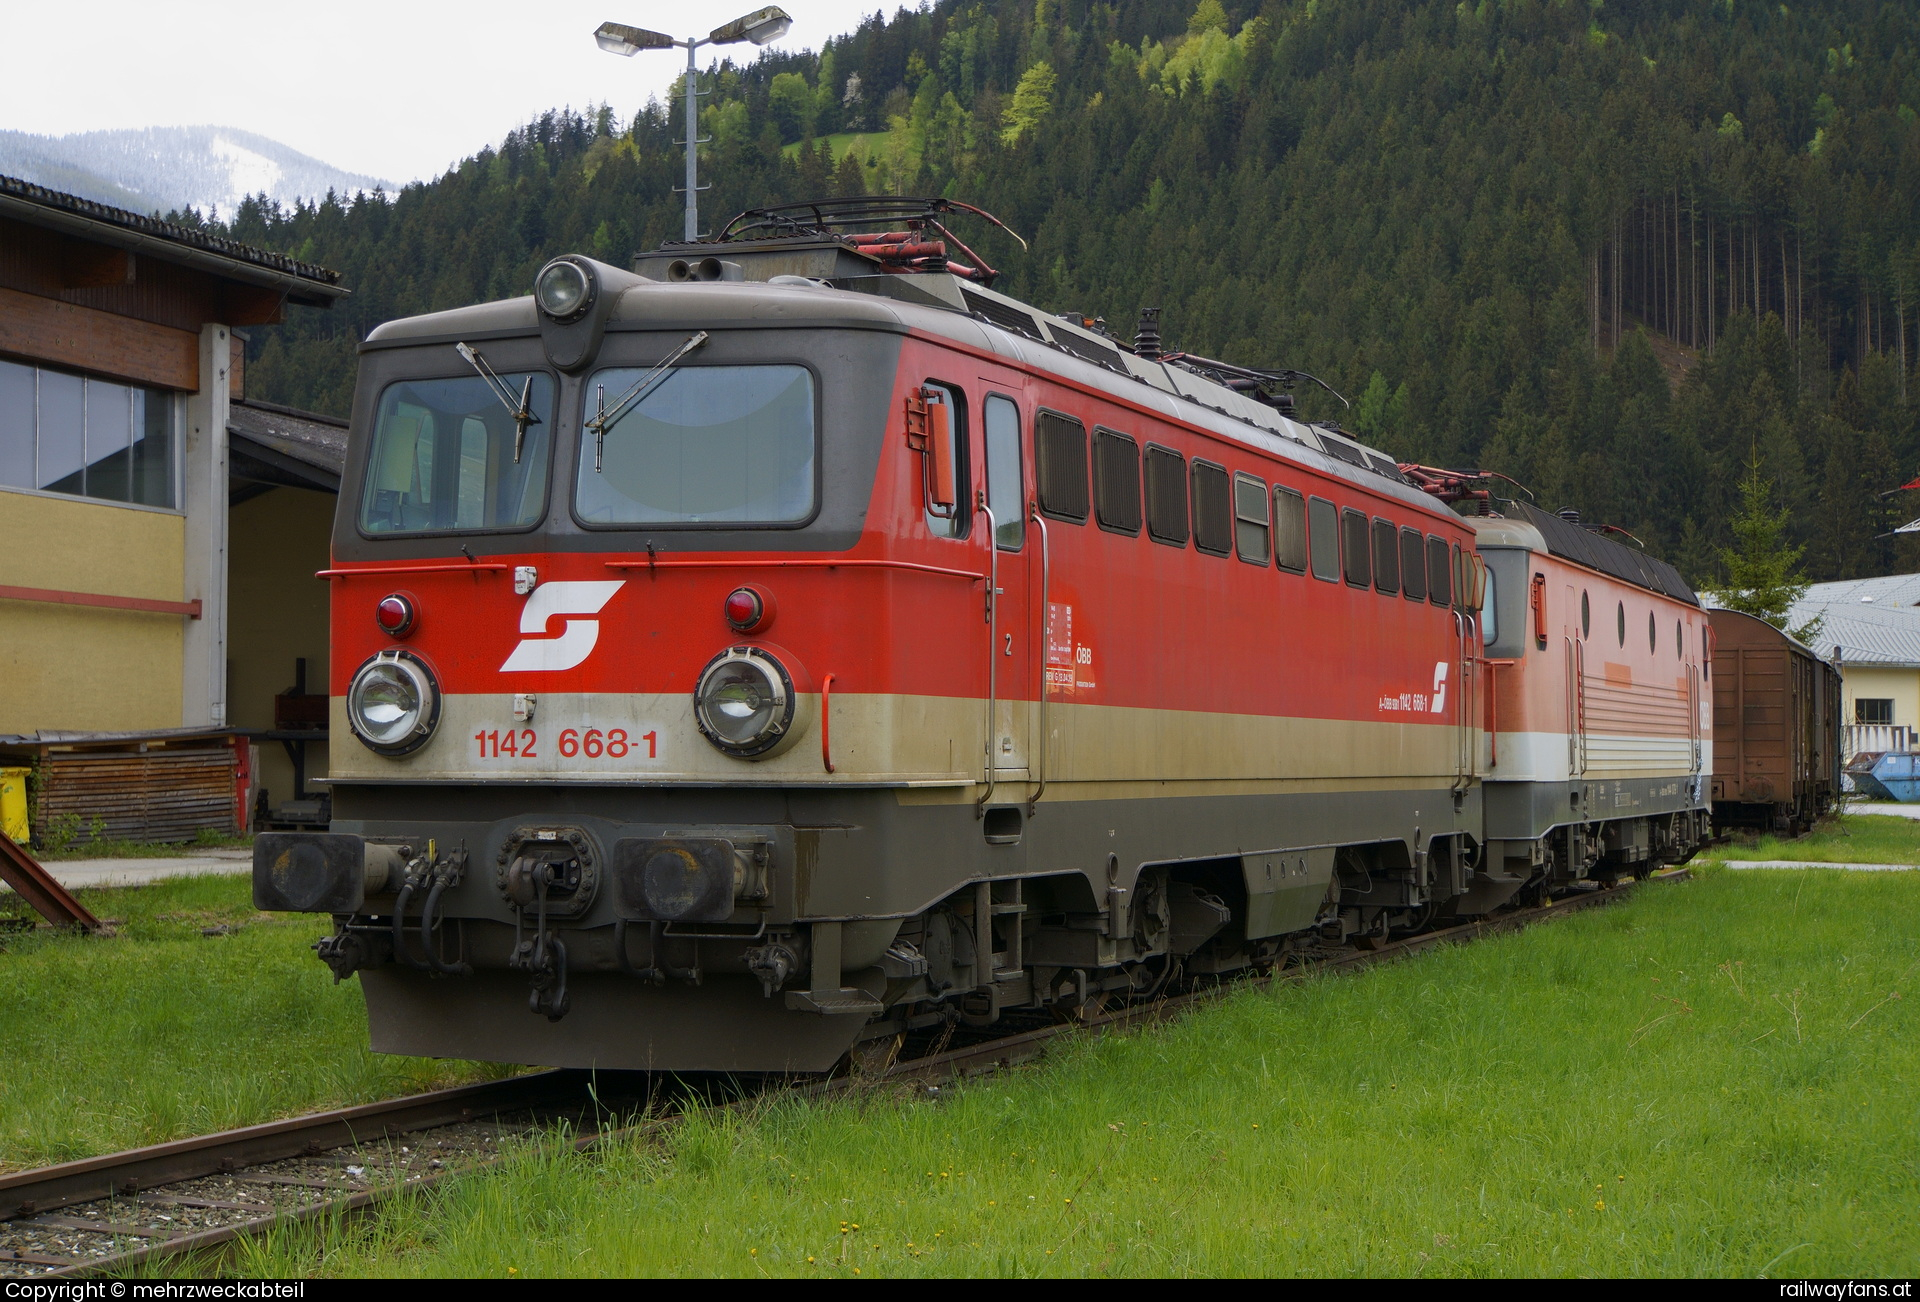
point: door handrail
(1046, 624)
(993, 649)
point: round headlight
(745, 701)
(562, 289)
(393, 703)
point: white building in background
(1874, 624)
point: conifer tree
(1763, 568)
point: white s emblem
(575, 643)
(1439, 686)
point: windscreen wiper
(603, 416)
(521, 411)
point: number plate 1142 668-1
(568, 743)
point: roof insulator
(1146, 335)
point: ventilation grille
(1583, 547)
(1116, 480)
(1380, 465)
(1087, 350)
(1060, 465)
(1166, 495)
(1345, 451)
(1007, 318)
(1212, 509)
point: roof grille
(1007, 318)
(1381, 465)
(1087, 349)
(1584, 547)
(1339, 447)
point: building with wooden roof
(158, 532)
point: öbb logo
(538, 652)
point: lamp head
(618, 38)
(761, 26)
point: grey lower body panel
(852, 853)
(838, 854)
(1525, 811)
(617, 1024)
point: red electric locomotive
(791, 641)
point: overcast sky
(397, 89)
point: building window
(78, 434)
(1872, 711)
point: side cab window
(954, 522)
(1006, 488)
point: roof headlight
(563, 289)
(393, 703)
(745, 702)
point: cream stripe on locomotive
(901, 739)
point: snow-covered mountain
(160, 169)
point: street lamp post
(760, 27)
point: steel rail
(29, 1195)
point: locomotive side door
(1575, 619)
(1005, 486)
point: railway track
(106, 1215)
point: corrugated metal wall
(162, 795)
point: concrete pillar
(204, 665)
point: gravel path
(77, 873)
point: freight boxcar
(1776, 727)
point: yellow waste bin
(13, 804)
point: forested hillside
(1615, 251)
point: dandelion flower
(1599, 1204)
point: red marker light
(747, 610)
(395, 615)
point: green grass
(1856, 838)
(160, 1032)
(1711, 1078)
(105, 849)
